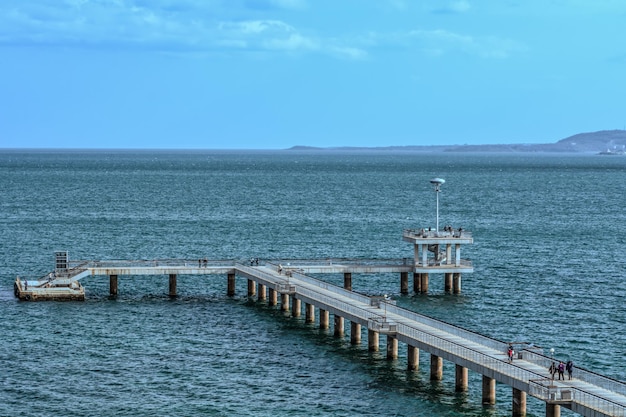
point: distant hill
(613, 141)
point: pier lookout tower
(438, 251)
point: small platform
(49, 289)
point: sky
(272, 74)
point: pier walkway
(588, 394)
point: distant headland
(606, 142)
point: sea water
(549, 235)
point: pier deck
(588, 394)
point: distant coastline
(606, 142)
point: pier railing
(582, 374)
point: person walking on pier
(552, 369)
(569, 366)
(510, 353)
(561, 369)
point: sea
(549, 269)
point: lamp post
(437, 183)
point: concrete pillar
(372, 340)
(284, 302)
(231, 284)
(424, 282)
(404, 282)
(417, 282)
(448, 282)
(413, 358)
(460, 378)
(113, 285)
(457, 258)
(519, 403)
(457, 282)
(339, 326)
(324, 318)
(424, 250)
(392, 348)
(251, 288)
(309, 313)
(448, 253)
(347, 281)
(262, 292)
(172, 285)
(296, 308)
(273, 297)
(436, 368)
(489, 390)
(355, 333)
(553, 410)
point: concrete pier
(404, 282)
(339, 326)
(172, 287)
(296, 308)
(392, 348)
(460, 378)
(519, 403)
(489, 390)
(587, 394)
(251, 288)
(355, 333)
(413, 358)
(284, 302)
(309, 311)
(324, 319)
(347, 281)
(113, 285)
(373, 343)
(436, 368)
(231, 284)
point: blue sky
(271, 74)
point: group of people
(554, 369)
(561, 368)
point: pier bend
(588, 393)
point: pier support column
(251, 288)
(339, 326)
(460, 378)
(413, 358)
(417, 282)
(296, 307)
(284, 302)
(457, 283)
(372, 341)
(113, 285)
(489, 390)
(231, 284)
(262, 292)
(392, 348)
(424, 282)
(519, 403)
(436, 368)
(347, 281)
(273, 297)
(309, 313)
(404, 282)
(448, 282)
(553, 410)
(324, 318)
(172, 285)
(355, 333)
